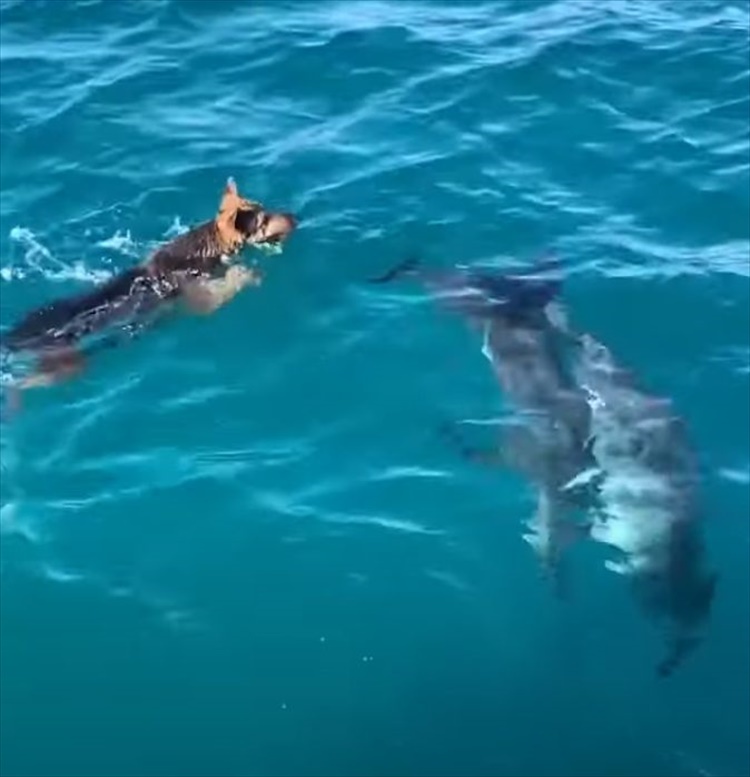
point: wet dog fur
(196, 269)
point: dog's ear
(231, 203)
(230, 200)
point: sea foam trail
(37, 259)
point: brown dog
(195, 268)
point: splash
(34, 249)
(39, 259)
(269, 248)
(122, 243)
(176, 229)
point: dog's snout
(280, 225)
(290, 220)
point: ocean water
(239, 545)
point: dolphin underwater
(546, 442)
(647, 499)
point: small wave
(57, 574)
(398, 473)
(170, 613)
(450, 580)
(734, 358)
(393, 524)
(282, 504)
(738, 475)
(14, 523)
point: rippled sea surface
(239, 545)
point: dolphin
(546, 441)
(648, 506)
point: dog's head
(248, 222)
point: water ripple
(292, 435)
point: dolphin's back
(650, 497)
(482, 293)
(509, 295)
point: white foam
(38, 258)
(269, 248)
(79, 272)
(177, 228)
(33, 247)
(11, 273)
(122, 243)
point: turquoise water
(239, 546)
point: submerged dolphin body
(547, 441)
(648, 499)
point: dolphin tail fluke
(678, 651)
(682, 645)
(407, 266)
(550, 565)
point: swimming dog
(195, 268)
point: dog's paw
(239, 276)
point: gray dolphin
(547, 440)
(649, 507)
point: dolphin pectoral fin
(618, 567)
(583, 489)
(488, 456)
(588, 446)
(557, 317)
(407, 266)
(585, 480)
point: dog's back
(197, 252)
(136, 290)
(65, 321)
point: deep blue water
(238, 546)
